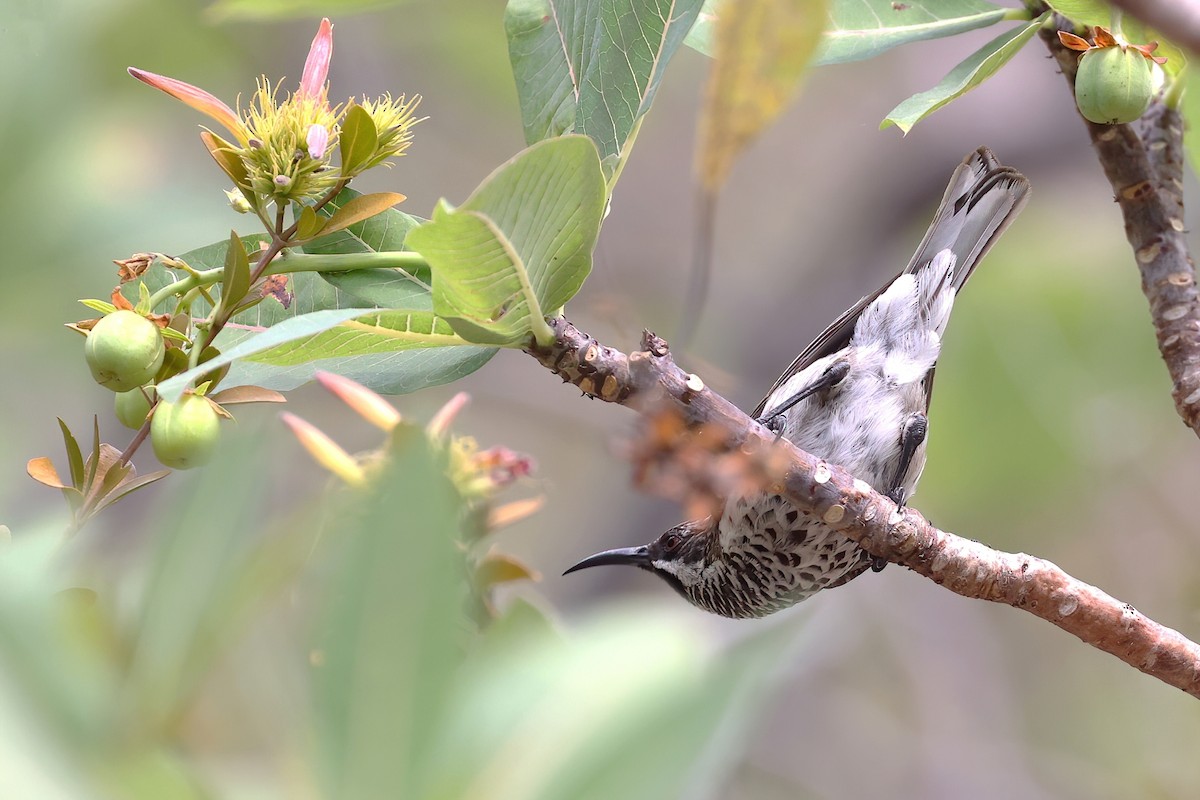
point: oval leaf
(520, 247)
(977, 68)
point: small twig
(1144, 164)
(645, 379)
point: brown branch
(1144, 164)
(1180, 19)
(646, 378)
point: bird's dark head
(689, 559)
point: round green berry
(124, 351)
(1113, 84)
(185, 434)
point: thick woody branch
(649, 378)
(1144, 163)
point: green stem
(344, 262)
(299, 262)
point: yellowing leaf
(762, 49)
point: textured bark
(1144, 164)
(649, 380)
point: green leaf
(630, 707)
(977, 68)
(358, 139)
(235, 280)
(390, 637)
(397, 372)
(862, 29)
(380, 332)
(763, 50)
(74, 455)
(520, 247)
(592, 66)
(309, 225)
(285, 331)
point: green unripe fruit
(132, 407)
(124, 351)
(184, 434)
(1113, 85)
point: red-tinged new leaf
(361, 208)
(42, 470)
(247, 394)
(509, 513)
(499, 568)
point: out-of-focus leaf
(592, 66)
(498, 568)
(520, 247)
(198, 549)
(390, 637)
(295, 328)
(293, 9)
(1190, 109)
(763, 48)
(626, 708)
(977, 68)
(66, 685)
(862, 29)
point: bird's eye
(672, 541)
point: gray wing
(982, 199)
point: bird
(858, 396)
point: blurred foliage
(397, 693)
(250, 638)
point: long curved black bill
(631, 556)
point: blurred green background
(1052, 428)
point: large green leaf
(520, 247)
(862, 29)
(380, 332)
(976, 69)
(390, 636)
(282, 332)
(592, 66)
(390, 373)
